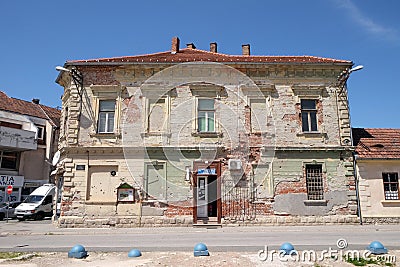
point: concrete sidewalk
(15, 227)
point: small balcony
(17, 139)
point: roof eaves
(222, 62)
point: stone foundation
(294, 220)
(187, 221)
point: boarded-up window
(156, 183)
(101, 184)
(156, 115)
(258, 109)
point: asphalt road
(40, 236)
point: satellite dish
(56, 158)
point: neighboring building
(378, 168)
(28, 140)
(189, 136)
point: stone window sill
(391, 203)
(311, 134)
(315, 202)
(148, 134)
(258, 133)
(207, 134)
(105, 135)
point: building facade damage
(194, 137)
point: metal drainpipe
(357, 191)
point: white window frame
(107, 113)
(389, 194)
(41, 136)
(111, 93)
(206, 116)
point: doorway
(207, 193)
(207, 197)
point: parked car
(38, 204)
(11, 209)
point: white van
(38, 204)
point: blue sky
(36, 36)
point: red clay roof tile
(190, 55)
(377, 143)
(28, 108)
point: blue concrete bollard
(201, 250)
(377, 248)
(78, 252)
(287, 249)
(134, 253)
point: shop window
(391, 186)
(314, 181)
(106, 116)
(309, 115)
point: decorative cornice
(308, 89)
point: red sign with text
(9, 189)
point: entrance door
(207, 193)
(202, 197)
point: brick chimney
(191, 46)
(213, 47)
(36, 101)
(246, 50)
(175, 45)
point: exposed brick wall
(98, 75)
(179, 209)
(264, 208)
(320, 113)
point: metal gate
(238, 203)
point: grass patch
(10, 255)
(364, 262)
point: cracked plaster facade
(271, 187)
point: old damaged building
(193, 137)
